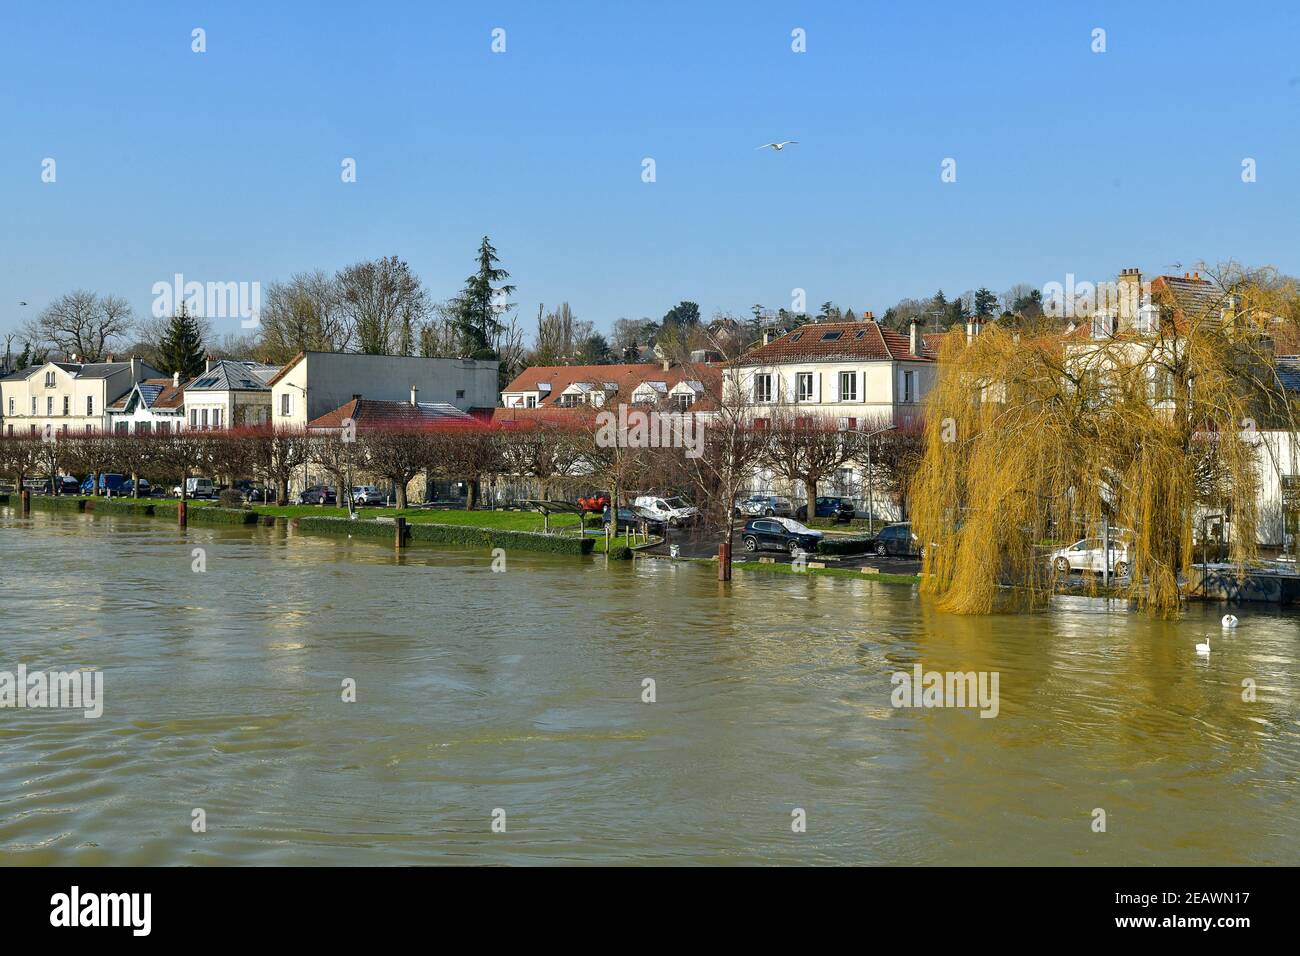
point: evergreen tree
(25, 357)
(478, 307)
(985, 302)
(181, 349)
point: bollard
(181, 520)
(400, 537)
(724, 562)
(26, 498)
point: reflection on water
(522, 690)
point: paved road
(696, 543)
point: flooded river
(518, 696)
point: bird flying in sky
(778, 146)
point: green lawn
(778, 568)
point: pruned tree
(809, 449)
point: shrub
(845, 545)
(218, 515)
(230, 498)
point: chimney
(207, 363)
(414, 391)
(135, 368)
(914, 335)
(868, 316)
(356, 396)
(176, 379)
(108, 357)
(667, 365)
(971, 331)
(1130, 297)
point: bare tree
(385, 305)
(809, 449)
(303, 314)
(82, 324)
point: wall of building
(332, 378)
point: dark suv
(898, 540)
(779, 534)
(839, 510)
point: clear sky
(225, 165)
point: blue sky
(225, 166)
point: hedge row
(58, 503)
(845, 545)
(361, 527)
(858, 524)
(119, 506)
(492, 538)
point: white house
(70, 396)
(155, 406)
(229, 395)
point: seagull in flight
(779, 146)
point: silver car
(766, 506)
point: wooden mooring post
(26, 499)
(181, 519)
(399, 534)
(724, 561)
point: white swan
(1204, 649)
(1229, 621)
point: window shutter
(817, 387)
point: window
(831, 336)
(11, 406)
(49, 380)
(804, 386)
(796, 337)
(164, 428)
(90, 404)
(49, 405)
(909, 386)
(848, 386)
(216, 418)
(285, 404)
(142, 428)
(763, 388)
(88, 428)
(33, 404)
(67, 404)
(530, 402)
(684, 400)
(121, 428)
(194, 417)
(460, 393)
(203, 417)
(11, 431)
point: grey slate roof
(233, 376)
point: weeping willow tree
(1145, 417)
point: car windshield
(795, 526)
(675, 503)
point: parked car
(196, 488)
(675, 512)
(897, 540)
(766, 505)
(634, 519)
(317, 494)
(1086, 555)
(68, 485)
(107, 482)
(780, 534)
(128, 489)
(840, 510)
(367, 495)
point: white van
(672, 511)
(196, 488)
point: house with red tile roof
(367, 414)
(155, 406)
(860, 373)
(694, 386)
